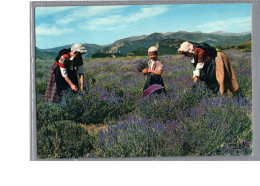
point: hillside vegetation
(169, 43)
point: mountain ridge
(132, 43)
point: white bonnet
(152, 49)
(186, 47)
(78, 48)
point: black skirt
(62, 84)
(153, 79)
(208, 75)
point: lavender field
(109, 118)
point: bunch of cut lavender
(141, 65)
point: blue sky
(58, 26)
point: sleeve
(149, 64)
(201, 54)
(63, 69)
(80, 69)
(64, 72)
(197, 69)
(159, 66)
(64, 61)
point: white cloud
(114, 22)
(93, 17)
(45, 29)
(80, 14)
(106, 20)
(234, 24)
(146, 13)
(45, 11)
(87, 12)
(64, 21)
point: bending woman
(210, 66)
(63, 74)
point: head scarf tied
(152, 49)
(78, 48)
(186, 47)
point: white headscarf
(186, 47)
(152, 49)
(78, 48)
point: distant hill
(166, 47)
(168, 42)
(212, 39)
(230, 34)
(140, 51)
(244, 47)
(40, 54)
(169, 46)
(127, 45)
(91, 48)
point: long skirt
(208, 75)
(225, 74)
(153, 79)
(219, 75)
(56, 84)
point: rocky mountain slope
(168, 42)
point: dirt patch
(94, 128)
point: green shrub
(48, 113)
(41, 87)
(39, 74)
(63, 139)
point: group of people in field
(210, 66)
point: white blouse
(197, 69)
(64, 71)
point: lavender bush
(136, 137)
(218, 122)
(187, 121)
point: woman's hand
(145, 71)
(195, 79)
(74, 87)
(81, 87)
(159, 72)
